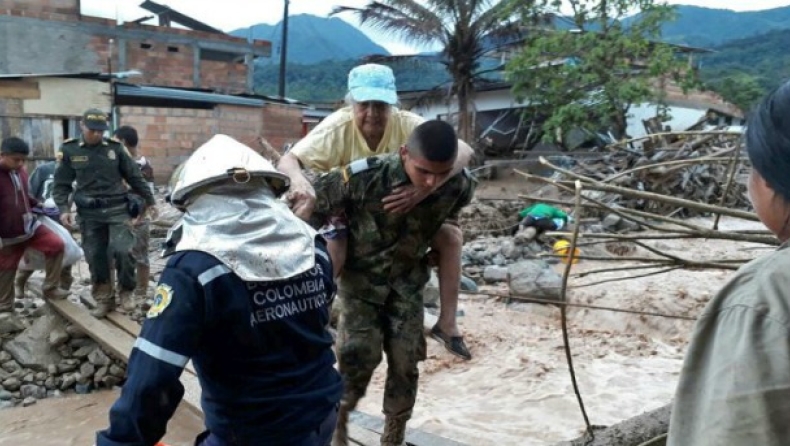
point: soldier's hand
(67, 218)
(403, 199)
(301, 197)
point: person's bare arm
(301, 195)
(404, 198)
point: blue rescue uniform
(262, 352)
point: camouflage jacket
(386, 251)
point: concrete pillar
(196, 66)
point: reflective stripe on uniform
(323, 254)
(160, 353)
(212, 273)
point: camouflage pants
(363, 330)
(106, 235)
(142, 239)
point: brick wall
(161, 63)
(224, 77)
(169, 135)
(46, 9)
(282, 124)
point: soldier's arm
(470, 183)
(170, 336)
(63, 179)
(331, 192)
(131, 173)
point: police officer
(100, 166)
(246, 296)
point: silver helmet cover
(252, 233)
(222, 159)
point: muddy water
(74, 420)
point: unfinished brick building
(177, 86)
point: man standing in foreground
(246, 295)
(381, 284)
(100, 166)
(19, 228)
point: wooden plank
(414, 437)
(120, 343)
(19, 90)
(133, 328)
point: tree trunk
(631, 432)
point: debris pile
(698, 168)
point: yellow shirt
(336, 141)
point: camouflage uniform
(100, 196)
(380, 288)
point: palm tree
(466, 30)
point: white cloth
(251, 232)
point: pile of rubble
(696, 169)
(51, 357)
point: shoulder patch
(360, 165)
(59, 156)
(113, 139)
(162, 298)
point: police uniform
(245, 294)
(380, 289)
(101, 199)
(262, 352)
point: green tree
(465, 30)
(590, 75)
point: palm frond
(404, 19)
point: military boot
(50, 289)
(127, 300)
(394, 431)
(102, 294)
(143, 276)
(20, 284)
(340, 436)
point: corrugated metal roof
(176, 94)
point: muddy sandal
(453, 344)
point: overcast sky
(228, 15)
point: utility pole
(283, 50)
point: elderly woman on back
(372, 125)
(734, 387)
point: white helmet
(226, 162)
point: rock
(9, 323)
(54, 394)
(85, 350)
(499, 260)
(116, 371)
(28, 378)
(611, 222)
(75, 332)
(83, 389)
(41, 376)
(101, 373)
(98, 358)
(110, 381)
(7, 405)
(5, 395)
(29, 401)
(11, 366)
(68, 382)
(12, 384)
(31, 348)
(495, 274)
(68, 365)
(76, 343)
(58, 337)
(534, 278)
(4, 356)
(508, 250)
(87, 370)
(468, 285)
(33, 391)
(52, 369)
(50, 383)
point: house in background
(177, 86)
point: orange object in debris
(562, 248)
